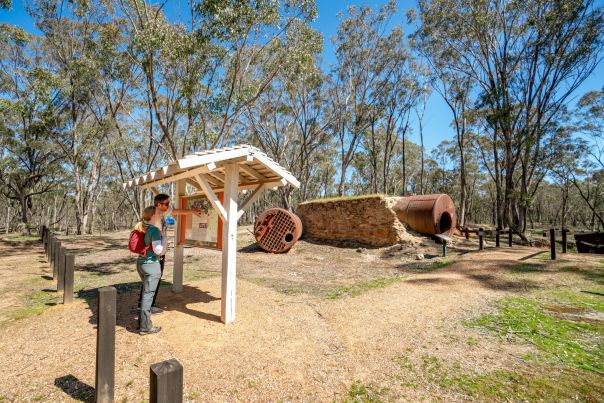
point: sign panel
(202, 231)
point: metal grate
(276, 230)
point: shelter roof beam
(212, 197)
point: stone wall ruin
(367, 220)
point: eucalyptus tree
(526, 58)
(29, 116)
(118, 106)
(290, 119)
(69, 31)
(420, 112)
(389, 120)
(581, 160)
(455, 88)
(200, 78)
(590, 123)
(405, 166)
(367, 53)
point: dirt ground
(320, 323)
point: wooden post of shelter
(229, 244)
(226, 170)
(177, 270)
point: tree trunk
(7, 219)
(404, 192)
(24, 218)
(54, 213)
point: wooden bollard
(552, 242)
(68, 279)
(105, 345)
(166, 383)
(61, 269)
(51, 246)
(497, 233)
(510, 236)
(51, 241)
(55, 260)
(564, 243)
(44, 237)
(467, 233)
(480, 239)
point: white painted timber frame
(228, 170)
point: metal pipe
(427, 214)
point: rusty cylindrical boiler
(427, 214)
(277, 230)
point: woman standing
(149, 270)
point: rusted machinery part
(277, 230)
(427, 214)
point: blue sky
(437, 117)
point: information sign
(202, 231)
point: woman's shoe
(154, 329)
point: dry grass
(342, 198)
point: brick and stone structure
(368, 220)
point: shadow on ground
(106, 268)
(75, 388)
(128, 296)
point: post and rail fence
(552, 233)
(61, 262)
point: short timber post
(229, 244)
(444, 247)
(166, 382)
(105, 345)
(564, 243)
(51, 243)
(68, 279)
(510, 237)
(55, 260)
(45, 239)
(61, 269)
(480, 238)
(497, 235)
(467, 233)
(552, 242)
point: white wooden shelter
(227, 170)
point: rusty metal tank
(427, 214)
(277, 230)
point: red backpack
(136, 243)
